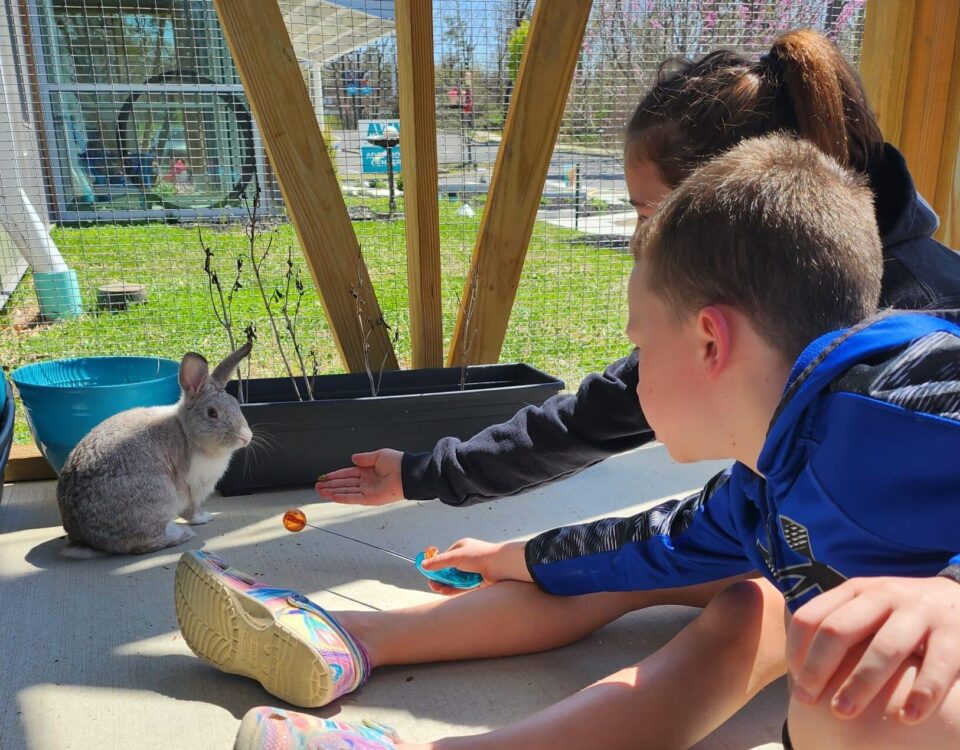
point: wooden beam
(928, 85)
(533, 121)
(268, 68)
(418, 146)
(947, 197)
(885, 60)
(910, 58)
(27, 464)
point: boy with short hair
(847, 451)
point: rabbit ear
(224, 371)
(193, 374)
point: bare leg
(817, 726)
(704, 675)
(505, 619)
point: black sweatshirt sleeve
(540, 444)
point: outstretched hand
(897, 619)
(504, 561)
(374, 479)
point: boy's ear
(713, 328)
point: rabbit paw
(174, 534)
(198, 518)
(186, 534)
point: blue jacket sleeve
(678, 543)
(541, 444)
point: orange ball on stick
(294, 520)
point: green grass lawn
(567, 320)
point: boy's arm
(677, 543)
(540, 444)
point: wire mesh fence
(129, 158)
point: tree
(515, 47)
(510, 18)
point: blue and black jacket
(860, 477)
(571, 431)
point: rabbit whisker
(265, 441)
(264, 437)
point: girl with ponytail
(803, 85)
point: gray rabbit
(132, 475)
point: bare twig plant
(278, 304)
(314, 366)
(466, 340)
(251, 333)
(222, 304)
(367, 326)
(292, 275)
(254, 231)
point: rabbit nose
(245, 435)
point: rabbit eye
(212, 413)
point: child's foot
(275, 729)
(292, 647)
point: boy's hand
(897, 618)
(374, 479)
(504, 561)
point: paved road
(600, 175)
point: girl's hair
(803, 85)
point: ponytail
(803, 85)
(827, 96)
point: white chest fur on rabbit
(126, 482)
(204, 473)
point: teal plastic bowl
(66, 398)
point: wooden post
(271, 77)
(948, 184)
(418, 147)
(928, 88)
(885, 58)
(910, 69)
(533, 121)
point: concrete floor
(93, 657)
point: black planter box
(412, 411)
